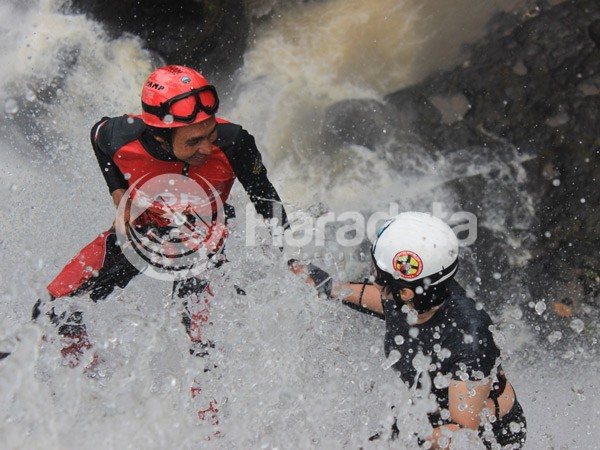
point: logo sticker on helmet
(408, 264)
(152, 85)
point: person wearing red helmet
(177, 148)
(437, 338)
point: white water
(293, 371)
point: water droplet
(577, 325)
(168, 120)
(444, 354)
(540, 307)
(392, 359)
(516, 313)
(569, 355)
(441, 382)
(555, 336)
(514, 427)
(11, 106)
(556, 182)
(30, 95)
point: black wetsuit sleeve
(246, 162)
(112, 174)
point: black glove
(323, 281)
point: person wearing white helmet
(414, 260)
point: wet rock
(532, 84)
(594, 32)
(414, 109)
(368, 123)
(209, 36)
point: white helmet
(418, 251)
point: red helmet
(177, 96)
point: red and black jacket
(126, 151)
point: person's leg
(196, 295)
(511, 429)
(96, 270)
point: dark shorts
(511, 430)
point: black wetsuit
(460, 344)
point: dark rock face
(352, 122)
(533, 84)
(209, 36)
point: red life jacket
(214, 176)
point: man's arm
(111, 173)
(466, 401)
(363, 295)
(246, 161)
(357, 295)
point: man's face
(194, 144)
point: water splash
(293, 371)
